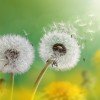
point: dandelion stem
(12, 85)
(39, 78)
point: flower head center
(60, 48)
(11, 54)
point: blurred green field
(32, 16)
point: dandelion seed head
(60, 47)
(16, 54)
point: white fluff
(67, 61)
(25, 58)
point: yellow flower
(96, 58)
(63, 91)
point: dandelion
(59, 49)
(63, 91)
(16, 55)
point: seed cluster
(60, 48)
(11, 54)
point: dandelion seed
(77, 20)
(90, 31)
(26, 34)
(91, 15)
(83, 46)
(90, 23)
(82, 24)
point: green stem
(39, 78)
(12, 85)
